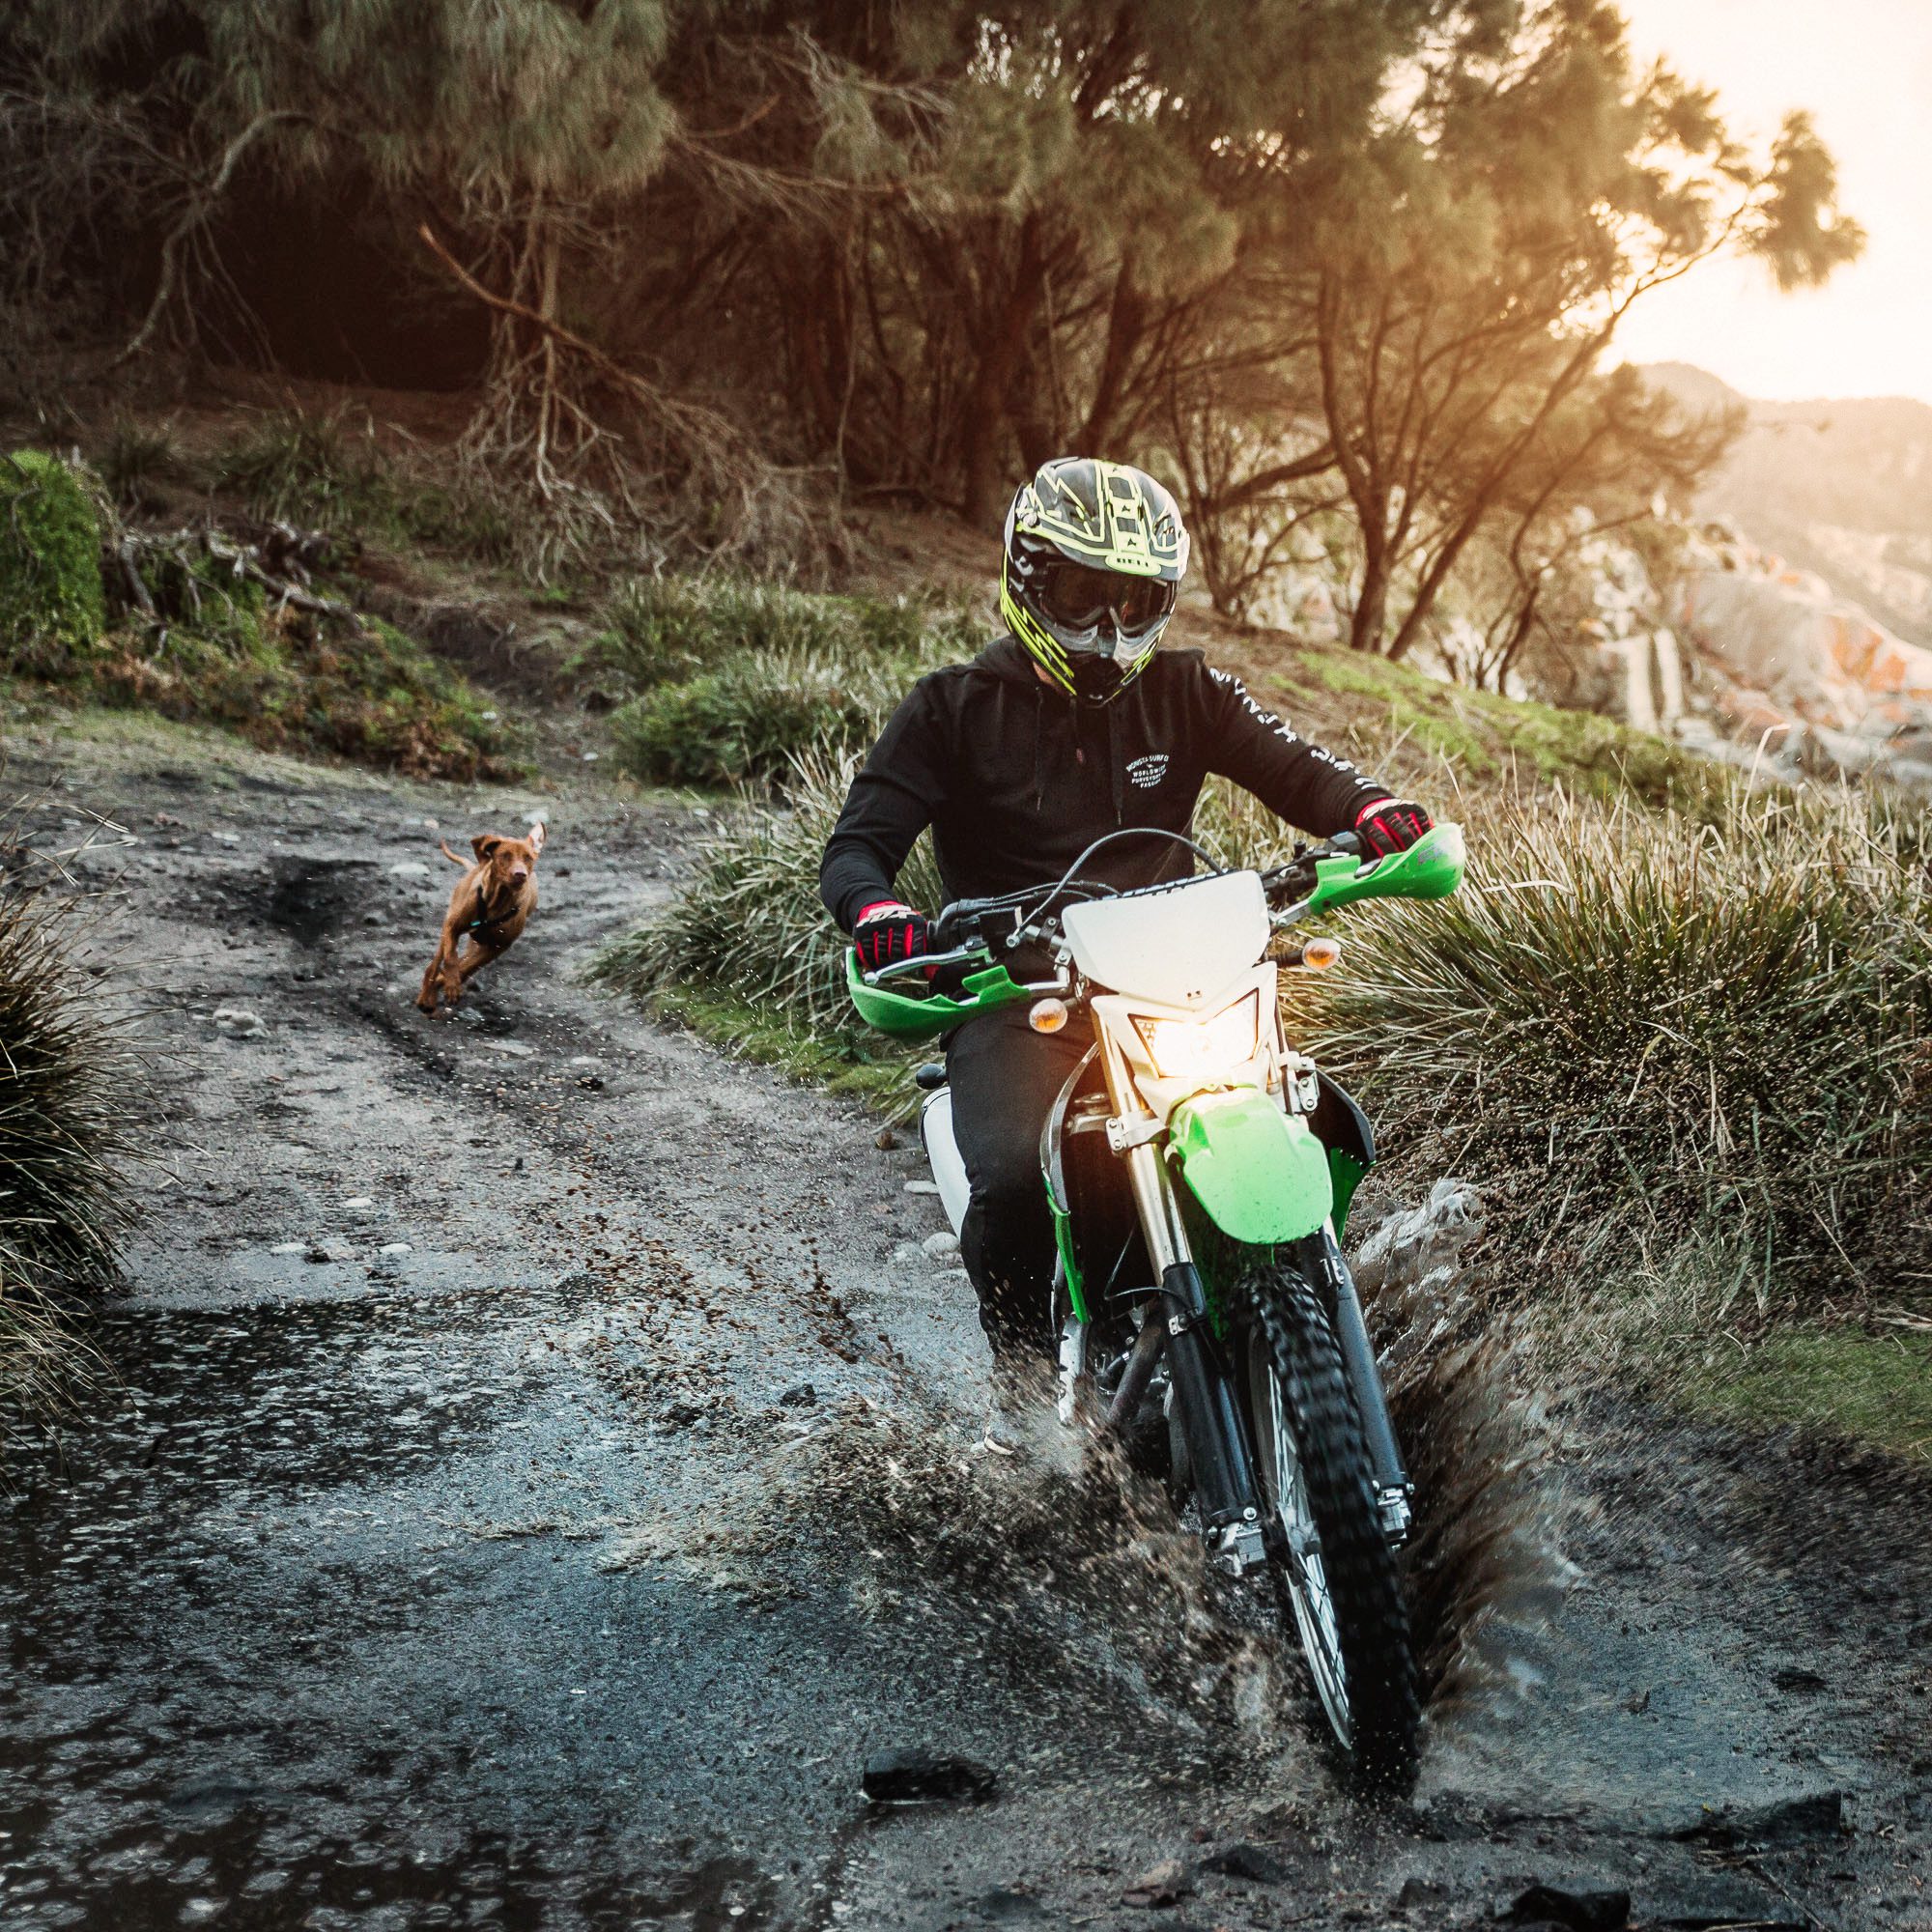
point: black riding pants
(1005, 1078)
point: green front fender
(1259, 1174)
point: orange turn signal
(1047, 1015)
(1321, 953)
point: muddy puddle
(338, 1615)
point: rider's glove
(886, 933)
(1386, 826)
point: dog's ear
(484, 843)
(536, 835)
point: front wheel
(1338, 1572)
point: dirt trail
(487, 1525)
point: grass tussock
(66, 1082)
(1655, 1039)
(749, 721)
(747, 927)
(322, 471)
(136, 459)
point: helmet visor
(1078, 597)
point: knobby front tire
(1332, 1489)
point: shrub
(662, 629)
(51, 601)
(1664, 1040)
(736, 680)
(746, 722)
(295, 467)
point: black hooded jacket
(1017, 780)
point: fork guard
(1259, 1173)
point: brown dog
(489, 907)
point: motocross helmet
(1095, 555)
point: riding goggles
(1076, 597)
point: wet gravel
(454, 1545)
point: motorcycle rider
(1066, 726)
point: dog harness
(483, 914)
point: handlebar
(969, 929)
(962, 917)
(978, 943)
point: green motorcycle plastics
(1344, 1173)
(920, 1016)
(1259, 1174)
(1432, 869)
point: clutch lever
(925, 964)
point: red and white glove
(886, 933)
(1387, 825)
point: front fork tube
(1218, 1445)
(1358, 1358)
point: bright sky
(1864, 70)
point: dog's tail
(454, 857)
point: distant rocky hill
(1841, 488)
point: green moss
(1484, 735)
(1875, 1389)
(224, 653)
(51, 603)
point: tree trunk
(1371, 613)
(1001, 344)
(1126, 322)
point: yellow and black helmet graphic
(1094, 555)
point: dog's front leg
(433, 980)
(454, 961)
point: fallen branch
(508, 305)
(138, 590)
(137, 549)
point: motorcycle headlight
(1200, 1049)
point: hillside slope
(1841, 487)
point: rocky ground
(538, 1475)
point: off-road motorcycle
(1199, 1170)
